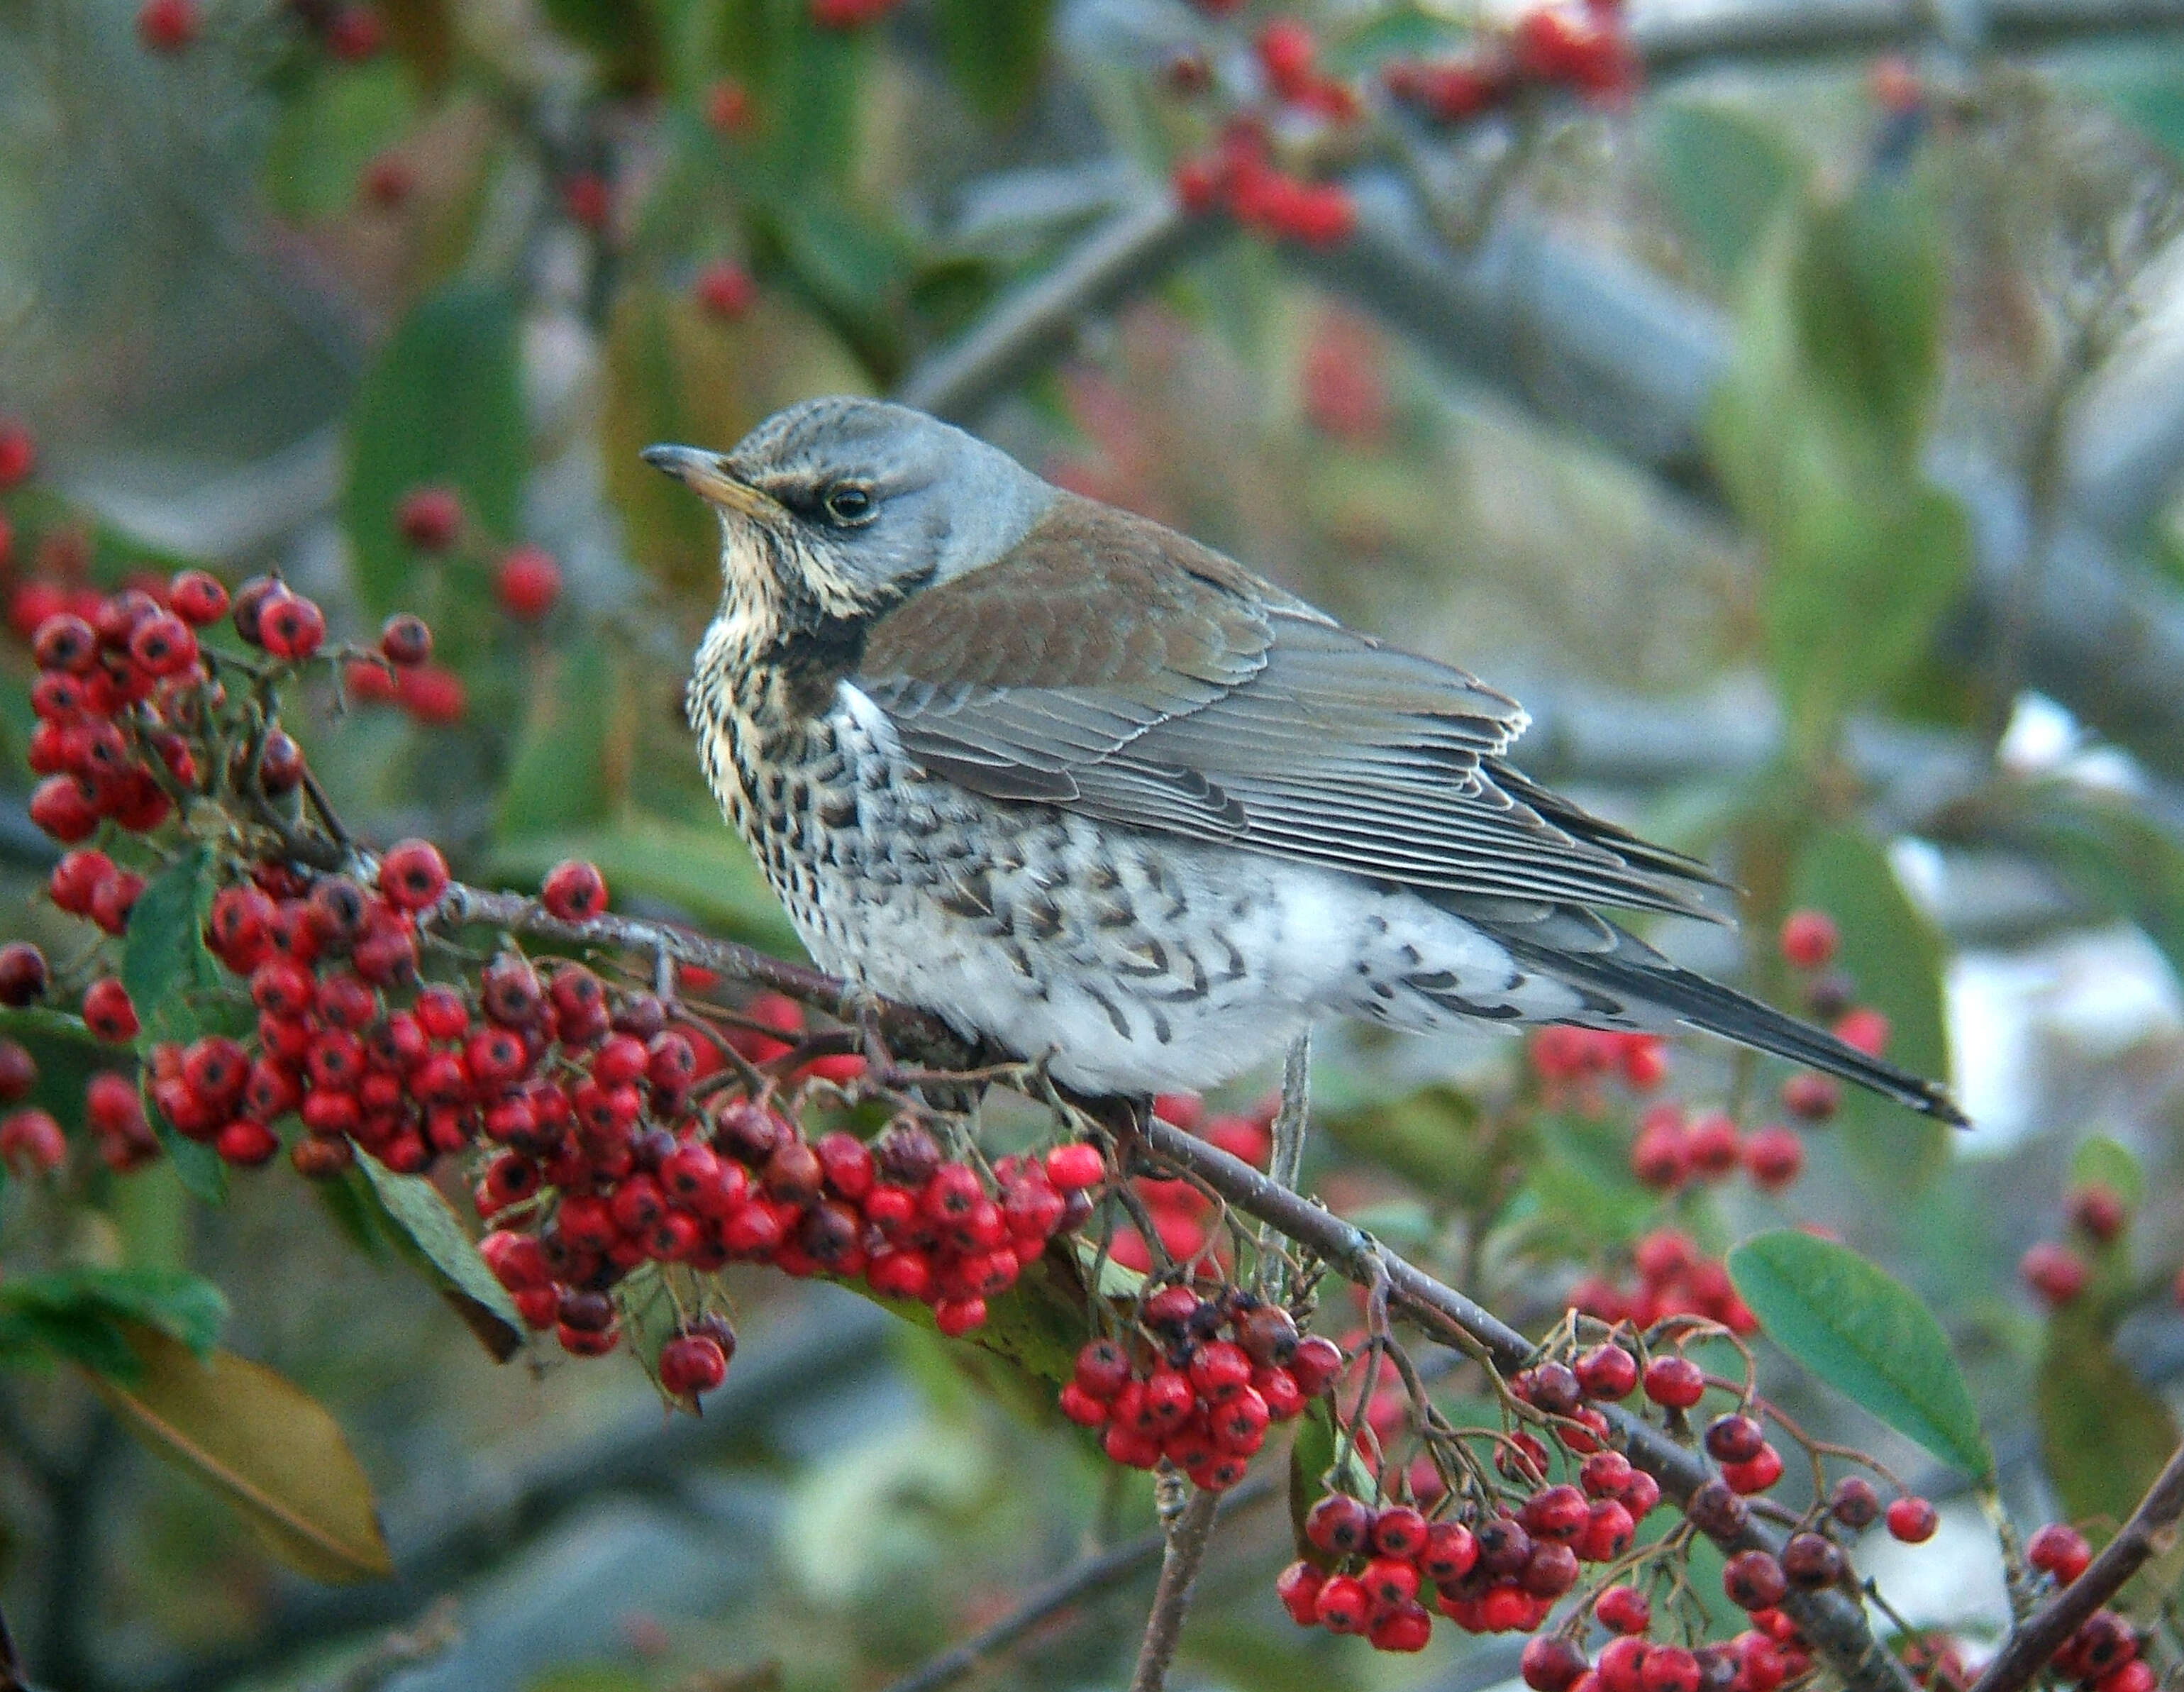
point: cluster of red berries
(1675, 1278)
(118, 696)
(743, 1184)
(2103, 1654)
(2058, 1272)
(1197, 1380)
(1757, 1660)
(1179, 1209)
(349, 33)
(1587, 51)
(1239, 175)
(1672, 1149)
(526, 580)
(1572, 1063)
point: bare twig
(1090, 1578)
(1188, 1533)
(2151, 1530)
(1125, 255)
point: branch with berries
(631, 1106)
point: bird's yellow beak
(706, 475)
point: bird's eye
(850, 503)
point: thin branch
(2151, 1530)
(1188, 1534)
(1096, 1575)
(1123, 257)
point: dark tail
(1633, 975)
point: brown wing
(1117, 669)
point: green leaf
(80, 1314)
(1726, 175)
(623, 35)
(1864, 1334)
(572, 760)
(419, 1214)
(440, 405)
(2101, 1161)
(164, 958)
(201, 1170)
(1814, 445)
(996, 50)
(1866, 285)
(264, 1444)
(1896, 956)
(706, 872)
(2104, 1434)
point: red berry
(527, 581)
(1811, 1096)
(32, 1143)
(108, 1011)
(290, 626)
(586, 198)
(1343, 1605)
(1624, 1610)
(2099, 1210)
(2055, 1272)
(726, 291)
(1863, 1029)
(196, 598)
(1755, 1473)
(1774, 1157)
(167, 26)
(575, 892)
(2059, 1549)
(1735, 1437)
(691, 1365)
(1855, 1503)
(1315, 1362)
(1449, 1553)
(1339, 1525)
(1753, 1580)
(1286, 52)
(1298, 1588)
(413, 875)
(64, 806)
(1809, 939)
(1606, 1371)
(1913, 1520)
(1076, 1166)
(432, 694)
(1713, 1145)
(1674, 1382)
(1550, 1663)
(19, 1073)
(1661, 1153)
(1407, 1628)
(354, 34)
(1399, 1532)
(405, 641)
(727, 106)
(1811, 1561)
(388, 180)
(1622, 1661)
(1669, 1668)
(18, 454)
(430, 518)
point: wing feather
(1169, 689)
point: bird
(1097, 794)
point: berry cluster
(1241, 176)
(1672, 1149)
(1587, 51)
(743, 1185)
(2057, 1272)
(1195, 1382)
(1675, 1278)
(348, 33)
(31, 1143)
(1572, 1063)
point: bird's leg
(1293, 1116)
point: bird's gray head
(851, 504)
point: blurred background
(1785, 399)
